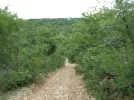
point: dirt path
(61, 85)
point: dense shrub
(103, 47)
(29, 48)
(13, 79)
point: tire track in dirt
(63, 84)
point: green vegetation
(29, 48)
(102, 44)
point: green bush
(103, 48)
(12, 79)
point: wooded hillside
(102, 44)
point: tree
(9, 25)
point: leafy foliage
(102, 46)
(29, 48)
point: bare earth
(63, 84)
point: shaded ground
(63, 84)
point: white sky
(51, 8)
